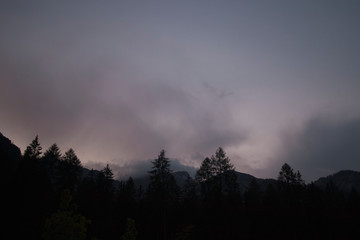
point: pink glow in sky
(120, 80)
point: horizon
(141, 169)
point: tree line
(50, 195)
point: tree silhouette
(288, 209)
(35, 190)
(51, 162)
(162, 183)
(70, 170)
(206, 171)
(53, 154)
(162, 191)
(217, 175)
(33, 151)
(221, 163)
(289, 177)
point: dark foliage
(51, 196)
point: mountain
(344, 180)
(245, 179)
(10, 156)
(8, 150)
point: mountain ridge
(344, 180)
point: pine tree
(70, 170)
(71, 159)
(162, 191)
(105, 181)
(289, 177)
(221, 162)
(217, 175)
(162, 183)
(51, 161)
(33, 151)
(205, 172)
(53, 153)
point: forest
(50, 195)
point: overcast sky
(269, 81)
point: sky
(269, 81)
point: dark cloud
(324, 146)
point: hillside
(345, 181)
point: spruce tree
(70, 170)
(33, 151)
(221, 162)
(205, 172)
(162, 183)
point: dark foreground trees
(54, 197)
(66, 223)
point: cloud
(139, 169)
(324, 146)
(108, 112)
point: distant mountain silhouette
(245, 179)
(344, 180)
(10, 156)
(8, 150)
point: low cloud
(139, 169)
(106, 112)
(324, 146)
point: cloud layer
(121, 80)
(324, 146)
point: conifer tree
(51, 160)
(53, 154)
(70, 170)
(221, 162)
(162, 191)
(289, 177)
(162, 183)
(33, 151)
(205, 172)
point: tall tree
(217, 175)
(289, 177)
(162, 192)
(221, 162)
(36, 190)
(205, 172)
(33, 151)
(105, 182)
(53, 153)
(71, 170)
(51, 161)
(162, 183)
